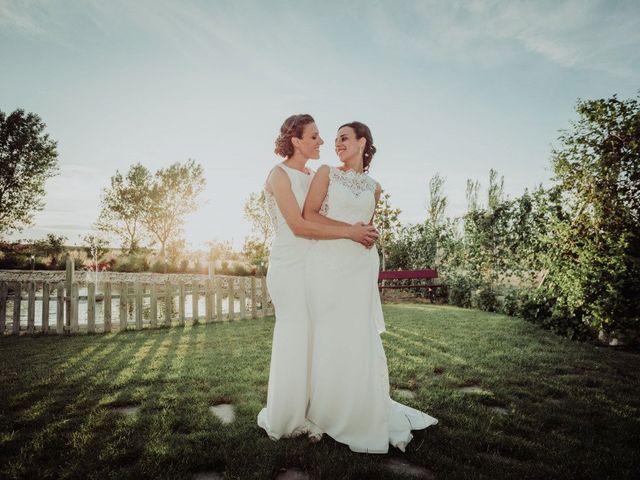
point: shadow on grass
(563, 401)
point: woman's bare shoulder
(323, 169)
(375, 183)
(277, 176)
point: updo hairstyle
(292, 127)
(369, 151)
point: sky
(447, 87)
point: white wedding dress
(288, 391)
(349, 383)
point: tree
(436, 214)
(594, 259)
(52, 247)
(96, 247)
(172, 195)
(473, 187)
(123, 206)
(220, 250)
(437, 200)
(387, 221)
(175, 250)
(255, 252)
(486, 232)
(495, 193)
(527, 235)
(256, 246)
(28, 157)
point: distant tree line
(566, 256)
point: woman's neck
(354, 163)
(297, 161)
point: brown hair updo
(292, 127)
(369, 149)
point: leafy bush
(131, 263)
(542, 308)
(512, 303)
(485, 299)
(460, 289)
(58, 265)
(157, 266)
(40, 265)
(13, 262)
(536, 306)
(438, 295)
(569, 324)
(18, 261)
(199, 267)
(594, 267)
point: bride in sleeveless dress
(349, 391)
(286, 189)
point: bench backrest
(407, 274)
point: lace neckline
(356, 182)
(350, 171)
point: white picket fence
(123, 300)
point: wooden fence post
(124, 311)
(263, 302)
(4, 290)
(138, 290)
(31, 307)
(45, 306)
(231, 296)
(60, 309)
(107, 307)
(254, 307)
(243, 297)
(91, 307)
(153, 307)
(75, 303)
(208, 301)
(195, 296)
(218, 299)
(181, 302)
(168, 301)
(70, 274)
(17, 292)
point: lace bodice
(350, 196)
(272, 208)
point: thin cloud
(203, 34)
(583, 34)
(19, 17)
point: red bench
(396, 278)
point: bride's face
(309, 144)
(347, 145)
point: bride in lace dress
(285, 189)
(349, 397)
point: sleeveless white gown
(349, 397)
(288, 391)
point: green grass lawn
(547, 407)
